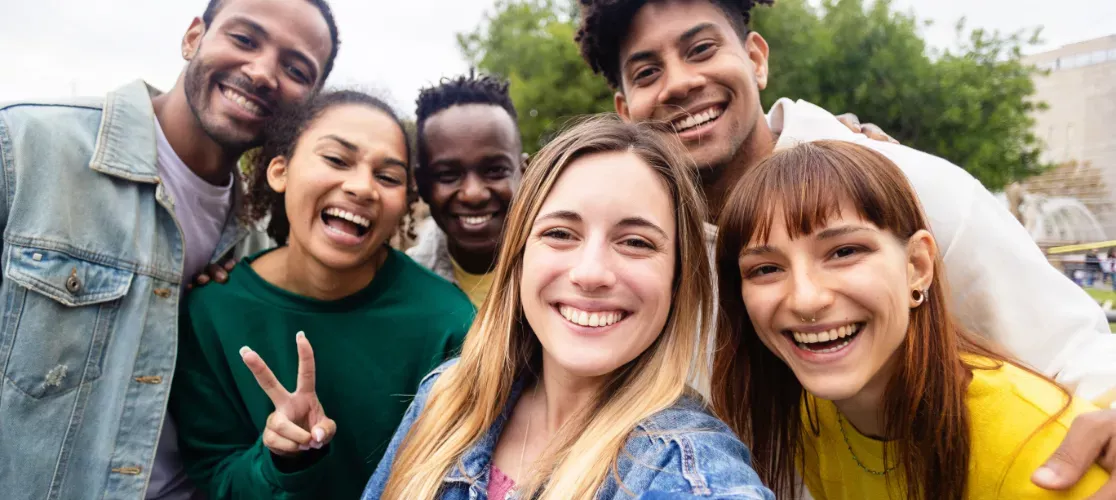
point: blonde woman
(572, 380)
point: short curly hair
(605, 24)
(465, 89)
(281, 134)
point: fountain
(1056, 219)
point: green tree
(530, 42)
(970, 104)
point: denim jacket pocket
(60, 315)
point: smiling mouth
(828, 341)
(594, 319)
(690, 122)
(475, 221)
(243, 101)
(345, 222)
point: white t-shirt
(201, 210)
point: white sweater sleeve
(1001, 285)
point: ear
(277, 174)
(757, 50)
(191, 41)
(922, 252)
(621, 104)
(523, 162)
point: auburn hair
(759, 396)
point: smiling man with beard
(109, 207)
(470, 163)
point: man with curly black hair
(470, 162)
(696, 65)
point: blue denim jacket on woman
(681, 450)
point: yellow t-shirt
(1006, 406)
(476, 286)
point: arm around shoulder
(1004, 288)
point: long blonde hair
(500, 347)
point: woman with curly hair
(335, 177)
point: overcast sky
(51, 48)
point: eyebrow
(354, 148)
(572, 216)
(758, 250)
(456, 163)
(346, 144)
(822, 235)
(693, 32)
(644, 223)
(262, 33)
(645, 55)
(566, 215)
(835, 232)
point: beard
(200, 85)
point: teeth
(249, 106)
(698, 119)
(349, 216)
(476, 220)
(827, 336)
(594, 319)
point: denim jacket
(680, 451)
(92, 271)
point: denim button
(73, 284)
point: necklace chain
(840, 423)
(513, 493)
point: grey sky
(52, 48)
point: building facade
(1079, 127)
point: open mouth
(242, 100)
(475, 221)
(832, 340)
(691, 122)
(591, 319)
(345, 222)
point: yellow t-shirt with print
(1007, 407)
(476, 286)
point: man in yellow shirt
(470, 162)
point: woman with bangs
(842, 361)
(572, 381)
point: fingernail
(222, 276)
(1045, 475)
(303, 447)
(300, 334)
(317, 445)
(245, 350)
(319, 435)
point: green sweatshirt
(371, 350)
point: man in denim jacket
(109, 207)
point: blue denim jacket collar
(116, 153)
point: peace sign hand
(298, 423)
